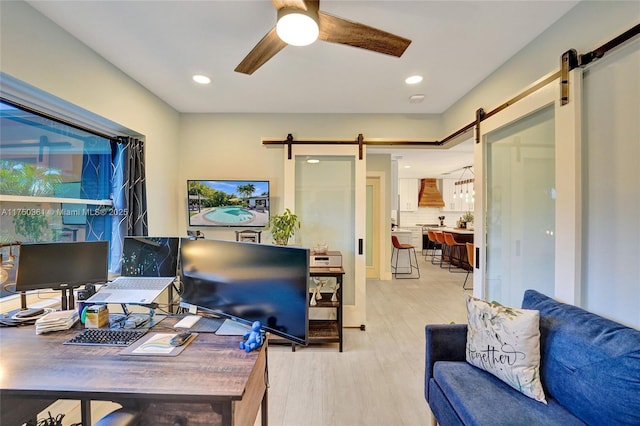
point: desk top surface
(211, 368)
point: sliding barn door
(528, 160)
(328, 193)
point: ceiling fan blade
(338, 30)
(261, 53)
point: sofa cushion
(590, 364)
(479, 398)
(505, 342)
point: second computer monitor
(61, 265)
(150, 256)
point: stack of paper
(55, 321)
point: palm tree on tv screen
(246, 191)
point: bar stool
(454, 247)
(397, 247)
(433, 245)
(443, 246)
(471, 262)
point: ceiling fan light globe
(297, 27)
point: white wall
(585, 27)
(229, 146)
(35, 50)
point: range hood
(429, 195)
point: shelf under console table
(323, 330)
(327, 330)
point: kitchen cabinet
(408, 191)
(416, 236)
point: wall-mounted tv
(228, 202)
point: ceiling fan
(325, 27)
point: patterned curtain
(129, 195)
(96, 178)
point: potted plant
(467, 219)
(283, 226)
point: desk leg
(339, 313)
(264, 408)
(85, 411)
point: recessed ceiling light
(414, 79)
(407, 167)
(416, 99)
(313, 161)
(201, 79)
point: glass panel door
(520, 207)
(372, 246)
(328, 194)
(611, 179)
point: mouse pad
(157, 344)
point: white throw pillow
(506, 342)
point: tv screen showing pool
(228, 202)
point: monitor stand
(23, 300)
(67, 301)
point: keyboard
(138, 283)
(106, 337)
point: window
(55, 181)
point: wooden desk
(211, 382)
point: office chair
(120, 417)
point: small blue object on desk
(252, 339)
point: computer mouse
(179, 339)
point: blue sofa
(590, 372)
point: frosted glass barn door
(329, 195)
(518, 200)
(611, 242)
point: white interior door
(329, 196)
(372, 246)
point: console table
(212, 382)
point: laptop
(149, 266)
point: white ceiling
(161, 44)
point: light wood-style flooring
(378, 379)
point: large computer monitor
(62, 266)
(249, 282)
(150, 256)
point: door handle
(360, 246)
